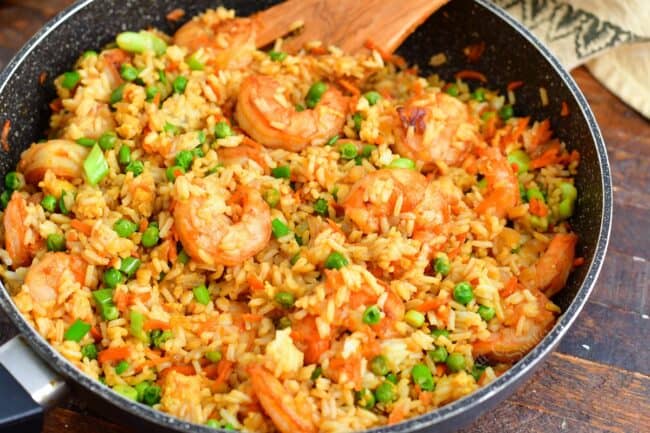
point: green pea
(479, 95)
(179, 84)
(506, 112)
(49, 203)
(414, 318)
(222, 130)
(392, 378)
(520, 158)
(422, 376)
(70, 79)
(372, 315)
(135, 167)
(439, 354)
(486, 313)
(463, 293)
(89, 53)
(402, 163)
(565, 208)
(372, 97)
(534, 193)
(441, 266)
(285, 299)
(272, 197)
(213, 356)
(379, 365)
(183, 258)
(124, 155)
(295, 258)
(453, 90)
(365, 398)
(184, 159)
(213, 423)
(117, 95)
(321, 207)
(367, 150)
(112, 277)
(439, 333)
(283, 322)
(150, 237)
(4, 198)
(152, 395)
(86, 142)
(128, 72)
(335, 260)
(151, 92)
(55, 242)
(13, 181)
(194, 63)
(173, 172)
(455, 362)
(318, 371)
(202, 294)
(348, 150)
(332, 141)
(568, 191)
(299, 108)
(385, 392)
(124, 228)
(89, 351)
(158, 337)
(477, 372)
(126, 391)
(315, 94)
(539, 223)
(357, 119)
(65, 202)
(121, 367)
(281, 172)
(107, 140)
(279, 228)
(277, 56)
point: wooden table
(599, 379)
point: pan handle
(29, 386)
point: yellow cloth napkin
(611, 37)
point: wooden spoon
(348, 24)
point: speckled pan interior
(511, 54)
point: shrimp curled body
(269, 120)
(45, 277)
(63, 157)
(214, 238)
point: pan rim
(468, 403)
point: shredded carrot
(42, 78)
(208, 325)
(94, 332)
(469, 74)
(349, 87)
(184, 369)
(431, 304)
(334, 226)
(490, 127)
(509, 288)
(155, 324)
(224, 368)
(172, 253)
(541, 134)
(81, 227)
(143, 224)
(113, 354)
(441, 369)
(397, 414)
(254, 283)
(549, 157)
(122, 300)
(425, 397)
(175, 15)
(386, 56)
(56, 105)
(318, 50)
(564, 112)
(251, 318)
(537, 207)
(4, 136)
(579, 261)
(333, 280)
(474, 51)
(514, 85)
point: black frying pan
(512, 54)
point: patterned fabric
(612, 37)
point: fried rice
(319, 242)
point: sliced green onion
(77, 331)
(128, 72)
(117, 95)
(520, 158)
(277, 56)
(332, 140)
(356, 118)
(126, 391)
(137, 326)
(194, 63)
(141, 42)
(179, 84)
(129, 266)
(95, 165)
(201, 294)
(372, 97)
(272, 197)
(135, 167)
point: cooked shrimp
(278, 403)
(15, 230)
(502, 184)
(230, 42)
(434, 128)
(551, 271)
(383, 194)
(63, 157)
(241, 155)
(45, 277)
(509, 345)
(264, 113)
(214, 238)
(114, 58)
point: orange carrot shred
(81, 227)
(564, 112)
(113, 354)
(175, 15)
(224, 368)
(4, 137)
(469, 74)
(474, 51)
(514, 85)
(318, 50)
(579, 261)
(155, 324)
(430, 304)
(254, 283)
(95, 333)
(537, 207)
(549, 157)
(386, 56)
(509, 288)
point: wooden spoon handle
(348, 24)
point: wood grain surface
(599, 379)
